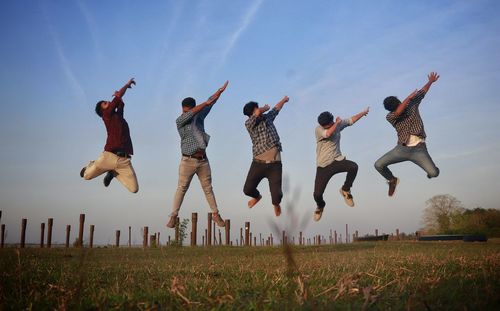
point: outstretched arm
(122, 91)
(282, 102)
(213, 99)
(404, 104)
(432, 77)
(358, 116)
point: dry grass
(372, 276)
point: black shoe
(392, 185)
(82, 172)
(107, 179)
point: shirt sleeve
(417, 98)
(252, 122)
(184, 118)
(320, 133)
(272, 114)
(204, 112)
(343, 124)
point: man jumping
(329, 159)
(405, 118)
(194, 141)
(266, 149)
(115, 160)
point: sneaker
(254, 201)
(392, 185)
(218, 220)
(317, 214)
(171, 222)
(82, 172)
(107, 179)
(347, 197)
(277, 210)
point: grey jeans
(417, 154)
(187, 169)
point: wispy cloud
(63, 60)
(93, 29)
(245, 22)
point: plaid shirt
(263, 132)
(409, 122)
(191, 129)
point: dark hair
(98, 108)
(391, 103)
(325, 118)
(249, 108)
(188, 102)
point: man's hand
(265, 108)
(285, 99)
(365, 112)
(338, 120)
(433, 77)
(280, 104)
(122, 91)
(223, 88)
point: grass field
(373, 276)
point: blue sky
(58, 59)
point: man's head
(249, 108)
(100, 106)
(325, 119)
(391, 103)
(188, 103)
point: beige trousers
(121, 168)
(187, 169)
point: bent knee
(378, 165)
(434, 173)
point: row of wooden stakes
(208, 239)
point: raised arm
(261, 110)
(358, 116)
(122, 91)
(282, 102)
(215, 96)
(404, 104)
(432, 77)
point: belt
(266, 162)
(200, 157)
(122, 154)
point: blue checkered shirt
(191, 129)
(263, 132)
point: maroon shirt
(117, 128)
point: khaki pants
(121, 167)
(187, 169)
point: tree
(440, 213)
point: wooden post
(158, 239)
(24, 222)
(283, 237)
(80, 231)
(117, 243)
(152, 240)
(68, 231)
(2, 236)
(254, 241)
(91, 236)
(42, 234)
(397, 234)
(227, 227)
(206, 237)
(220, 237)
(346, 234)
(376, 232)
(247, 233)
(50, 224)
(177, 232)
(169, 240)
(194, 228)
(241, 237)
(129, 236)
(203, 240)
(335, 236)
(145, 237)
(272, 240)
(209, 227)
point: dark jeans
(324, 174)
(259, 171)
